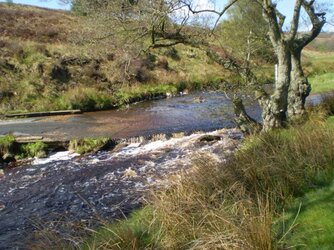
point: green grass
(35, 149)
(139, 233)
(6, 144)
(86, 145)
(319, 67)
(313, 217)
(330, 122)
(322, 83)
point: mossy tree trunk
(300, 88)
(274, 107)
(292, 87)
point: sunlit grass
(322, 83)
(314, 224)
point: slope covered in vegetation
(45, 65)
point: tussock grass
(36, 149)
(86, 145)
(136, 232)
(240, 204)
(232, 206)
(6, 144)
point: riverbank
(205, 111)
(264, 197)
(52, 199)
(57, 69)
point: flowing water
(59, 190)
(199, 111)
(67, 190)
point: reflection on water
(204, 111)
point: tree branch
(270, 15)
(295, 20)
(219, 13)
(318, 21)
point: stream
(204, 111)
(65, 190)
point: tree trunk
(299, 87)
(275, 107)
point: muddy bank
(102, 186)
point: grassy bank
(10, 150)
(319, 66)
(55, 69)
(276, 192)
(52, 70)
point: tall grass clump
(35, 149)
(232, 206)
(6, 144)
(86, 145)
(136, 232)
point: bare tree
(154, 19)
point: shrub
(173, 53)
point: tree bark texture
(275, 106)
(299, 87)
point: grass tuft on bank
(88, 145)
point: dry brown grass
(36, 24)
(232, 206)
(206, 211)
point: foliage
(244, 32)
(36, 149)
(6, 144)
(86, 145)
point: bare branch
(318, 21)
(219, 13)
(295, 20)
(270, 14)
